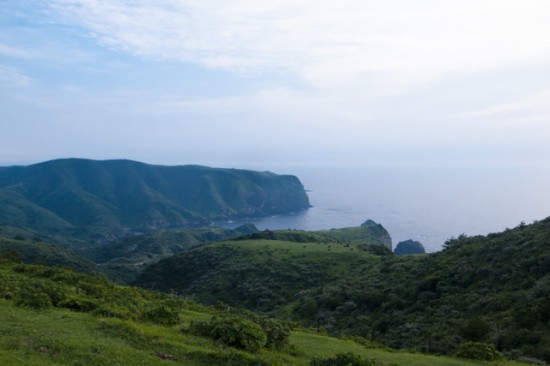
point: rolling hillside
(265, 270)
(53, 316)
(494, 288)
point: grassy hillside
(266, 269)
(493, 288)
(369, 233)
(123, 260)
(96, 198)
(53, 316)
(39, 252)
(258, 274)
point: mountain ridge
(121, 195)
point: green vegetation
(275, 295)
(492, 289)
(343, 359)
(96, 200)
(123, 260)
(42, 252)
(479, 351)
(232, 331)
(54, 316)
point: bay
(428, 204)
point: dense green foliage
(96, 199)
(480, 298)
(123, 260)
(54, 316)
(232, 331)
(42, 252)
(258, 274)
(479, 351)
(343, 359)
(493, 289)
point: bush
(277, 332)
(77, 304)
(475, 329)
(343, 359)
(120, 329)
(113, 311)
(162, 315)
(10, 256)
(232, 331)
(33, 299)
(479, 351)
(39, 295)
(230, 357)
(368, 343)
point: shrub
(10, 256)
(479, 351)
(39, 295)
(368, 343)
(343, 359)
(33, 299)
(228, 358)
(113, 311)
(276, 331)
(121, 329)
(162, 315)
(475, 329)
(232, 331)
(78, 304)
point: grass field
(64, 337)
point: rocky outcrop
(381, 232)
(409, 247)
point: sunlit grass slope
(53, 316)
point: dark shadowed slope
(88, 196)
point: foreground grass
(64, 337)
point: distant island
(91, 197)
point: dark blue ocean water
(430, 205)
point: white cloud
(14, 77)
(373, 76)
(532, 111)
(6, 50)
(392, 43)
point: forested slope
(96, 199)
(493, 288)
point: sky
(241, 83)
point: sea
(427, 204)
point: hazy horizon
(375, 83)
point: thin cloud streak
(14, 77)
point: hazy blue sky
(234, 83)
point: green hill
(53, 316)
(494, 288)
(267, 269)
(123, 260)
(95, 199)
(42, 252)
